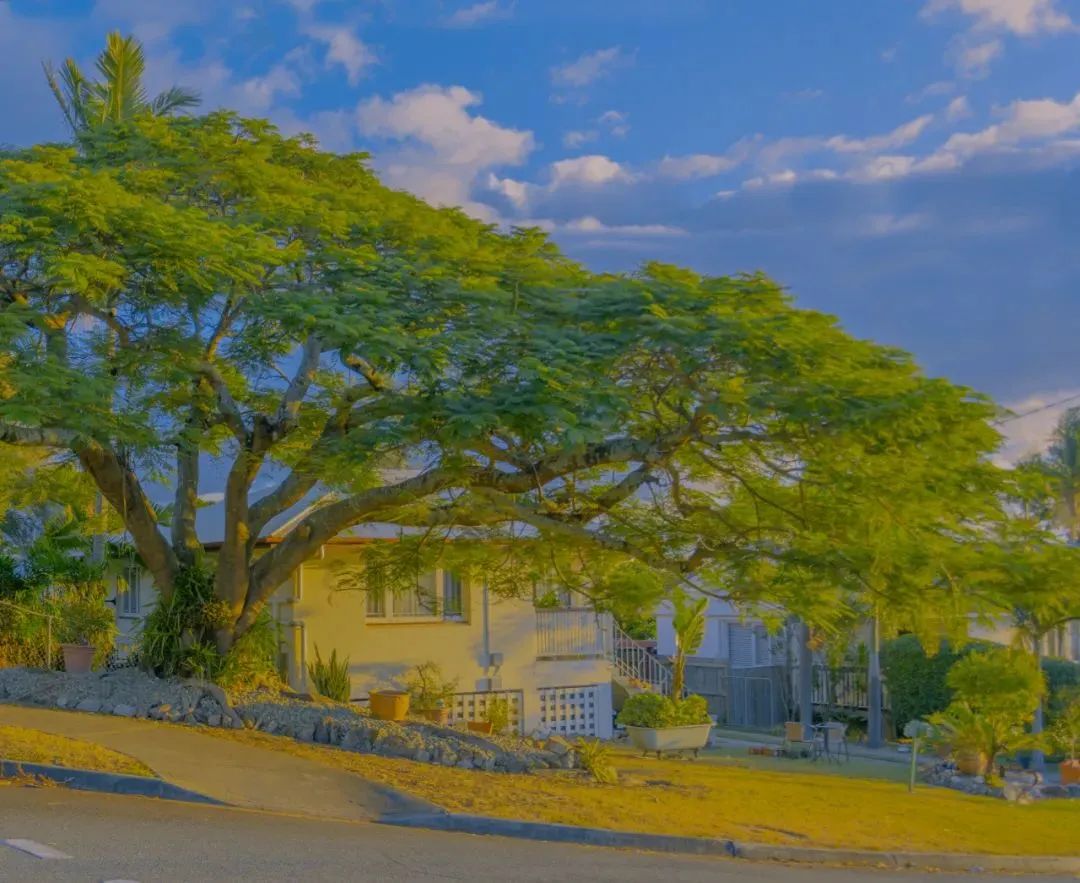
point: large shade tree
(173, 290)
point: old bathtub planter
(692, 737)
(660, 723)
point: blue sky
(912, 166)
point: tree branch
(38, 437)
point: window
(129, 600)
(452, 603)
(420, 601)
(376, 593)
(436, 595)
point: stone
(189, 718)
(465, 763)
(124, 711)
(557, 746)
(91, 705)
(1052, 790)
(63, 701)
(423, 756)
(1074, 790)
(213, 720)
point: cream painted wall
(381, 653)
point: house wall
(382, 652)
(741, 643)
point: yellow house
(554, 665)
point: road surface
(92, 837)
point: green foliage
(595, 758)
(689, 626)
(1062, 684)
(428, 689)
(998, 681)
(119, 93)
(173, 272)
(497, 713)
(995, 692)
(1064, 732)
(917, 681)
(331, 678)
(654, 710)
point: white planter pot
(691, 738)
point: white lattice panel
(569, 711)
(473, 706)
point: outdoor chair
(794, 740)
(836, 743)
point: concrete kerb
(105, 783)
(470, 824)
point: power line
(1063, 401)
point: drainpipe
(487, 628)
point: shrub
(497, 714)
(331, 678)
(595, 758)
(428, 689)
(177, 638)
(916, 680)
(1062, 685)
(995, 693)
(1064, 732)
(654, 710)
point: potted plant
(660, 723)
(430, 695)
(389, 705)
(87, 630)
(1065, 739)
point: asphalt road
(105, 838)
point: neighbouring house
(555, 664)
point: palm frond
(71, 91)
(121, 65)
(172, 100)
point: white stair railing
(636, 664)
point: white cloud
(898, 137)
(591, 225)
(973, 61)
(616, 121)
(589, 68)
(885, 224)
(1023, 17)
(888, 55)
(478, 13)
(516, 192)
(1030, 434)
(153, 22)
(696, 165)
(343, 47)
(1036, 120)
(958, 109)
(575, 139)
(589, 171)
(444, 148)
(941, 87)
(439, 117)
(262, 91)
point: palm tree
(689, 625)
(118, 95)
(1062, 463)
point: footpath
(229, 772)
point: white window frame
(129, 601)
(441, 579)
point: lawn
(34, 746)
(728, 797)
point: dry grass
(34, 746)
(727, 799)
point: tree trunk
(806, 681)
(1038, 759)
(876, 723)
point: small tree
(1065, 732)
(689, 625)
(995, 694)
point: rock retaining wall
(132, 693)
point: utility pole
(875, 734)
(806, 681)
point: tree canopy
(173, 290)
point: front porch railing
(572, 633)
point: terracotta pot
(971, 763)
(480, 727)
(1070, 772)
(78, 658)
(440, 716)
(389, 705)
